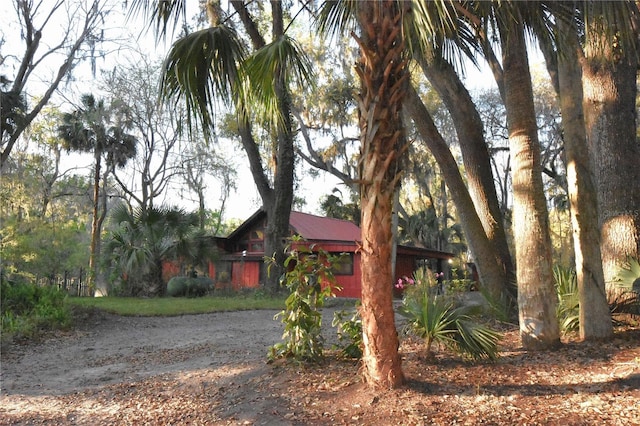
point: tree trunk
(537, 300)
(278, 214)
(595, 317)
(477, 163)
(609, 85)
(100, 281)
(95, 232)
(383, 76)
(276, 200)
(489, 268)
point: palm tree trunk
(537, 300)
(95, 232)
(489, 268)
(100, 282)
(609, 85)
(477, 162)
(383, 76)
(595, 317)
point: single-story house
(241, 263)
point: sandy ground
(114, 349)
(79, 377)
(212, 370)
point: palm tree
(537, 300)
(498, 275)
(594, 314)
(609, 72)
(144, 238)
(383, 83)
(90, 129)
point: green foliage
(177, 286)
(307, 268)
(141, 240)
(43, 233)
(26, 309)
(628, 276)
(189, 286)
(349, 328)
(628, 280)
(459, 283)
(568, 298)
(436, 319)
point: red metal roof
(312, 227)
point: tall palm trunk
(477, 162)
(609, 85)
(595, 317)
(489, 268)
(99, 280)
(537, 300)
(95, 220)
(383, 75)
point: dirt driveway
(211, 370)
(216, 358)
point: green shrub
(349, 328)
(177, 286)
(459, 283)
(198, 286)
(627, 300)
(436, 319)
(189, 286)
(26, 309)
(302, 319)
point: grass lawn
(172, 306)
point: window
(344, 264)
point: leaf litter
(211, 370)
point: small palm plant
(627, 301)
(568, 312)
(436, 319)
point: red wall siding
(245, 275)
(350, 283)
(170, 269)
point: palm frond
(282, 57)
(337, 18)
(475, 340)
(200, 69)
(161, 14)
(611, 24)
(628, 276)
(438, 27)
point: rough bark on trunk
(595, 317)
(95, 234)
(383, 77)
(100, 282)
(278, 215)
(489, 269)
(477, 164)
(609, 87)
(537, 300)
